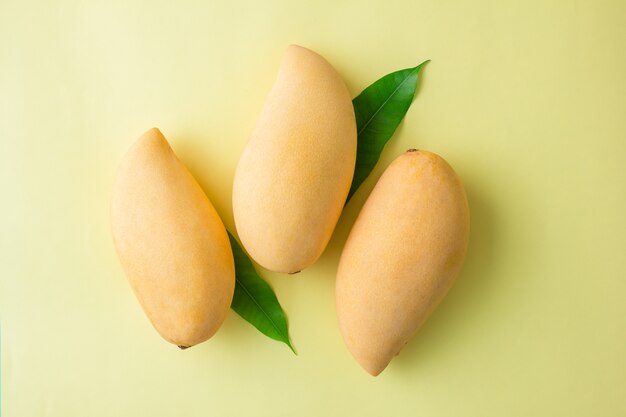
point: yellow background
(526, 99)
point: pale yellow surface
(526, 100)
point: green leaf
(254, 299)
(379, 109)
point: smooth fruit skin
(171, 243)
(402, 255)
(294, 175)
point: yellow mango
(294, 175)
(402, 255)
(171, 243)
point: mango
(294, 175)
(402, 255)
(171, 243)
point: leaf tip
(419, 67)
(288, 343)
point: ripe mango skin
(294, 175)
(171, 243)
(402, 255)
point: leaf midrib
(385, 102)
(260, 308)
